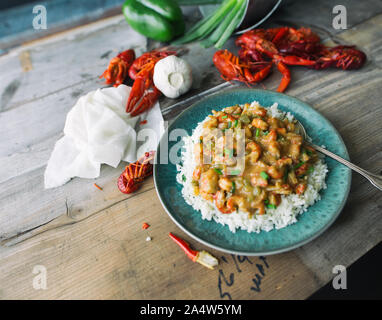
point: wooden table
(91, 242)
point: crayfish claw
(148, 100)
(286, 76)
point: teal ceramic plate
(309, 225)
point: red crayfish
(134, 174)
(231, 68)
(260, 48)
(118, 68)
(143, 94)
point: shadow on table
(364, 280)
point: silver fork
(376, 180)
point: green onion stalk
(216, 28)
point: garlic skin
(172, 76)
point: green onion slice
(244, 118)
(285, 174)
(235, 172)
(299, 165)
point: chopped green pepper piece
(245, 119)
(264, 175)
(183, 177)
(271, 206)
(233, 187)
(218, 171)
(308, 152)
(195, 183)
(257, 132)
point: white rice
(285, 214)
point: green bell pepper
(160, 20)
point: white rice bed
(285, 214)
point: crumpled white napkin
(98, 130)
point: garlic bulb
(172, 76)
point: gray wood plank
(16, 22)
(74, 59)
(319, 16)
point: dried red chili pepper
(202, 257)
(98, 187)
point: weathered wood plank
(354, 109)
(120, 264)
(319, 14)
(16, 23)
(26, 205)
(66, 62)
(371, 42)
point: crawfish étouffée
(274, 160)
